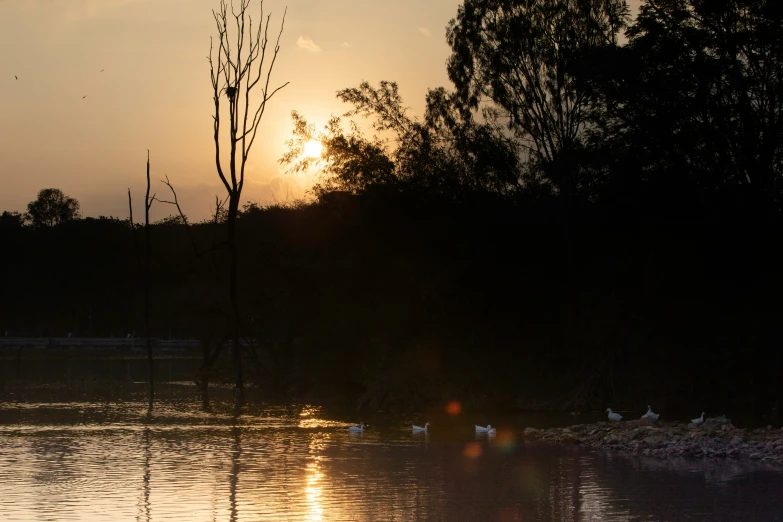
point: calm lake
(107, 460)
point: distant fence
(52, 359)
(108, 344)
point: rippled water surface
(109, 461)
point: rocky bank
(715, 438)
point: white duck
(650, 414)
(613, 416)
(489, 430)
(419, 429)
(698, 420)
(357, 429)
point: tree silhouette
(51, 208)
(695, 99)
(11, 219)
(235, 72)
(517, 55)
(736, 57)
(480, 154)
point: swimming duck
(419, 429)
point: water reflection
(236, 453)
(146, 480)
(314, 492)
(100, 462)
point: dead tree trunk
(203, 372)
(236, 353)
(147, 271)
(147, 275)
(209, 357)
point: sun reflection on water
(319, 423)
(310, 417)
(314, 492)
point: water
(92, 461)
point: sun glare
(313, 148)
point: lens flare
(472, 450)
(453, 408)
(505, 442)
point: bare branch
(184, 218)
(258, 114)
(266, 85)
(216, 97)
(176, 201)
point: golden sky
(154, 92)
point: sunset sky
(154, 92)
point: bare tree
(235, 72)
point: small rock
(639, 433)
(532, 433)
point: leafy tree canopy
(518, 55)
(51, 208)
(11, 219)
(443, 154)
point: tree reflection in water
(146, 481)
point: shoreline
(716, 438)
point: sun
(313, 149)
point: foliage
(351, 161)
(11, 219)
(518, 55)
(51, 208)
(694, 100)
(170, 220)
(443, 155)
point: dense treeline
(410, 300)
(580, 220)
